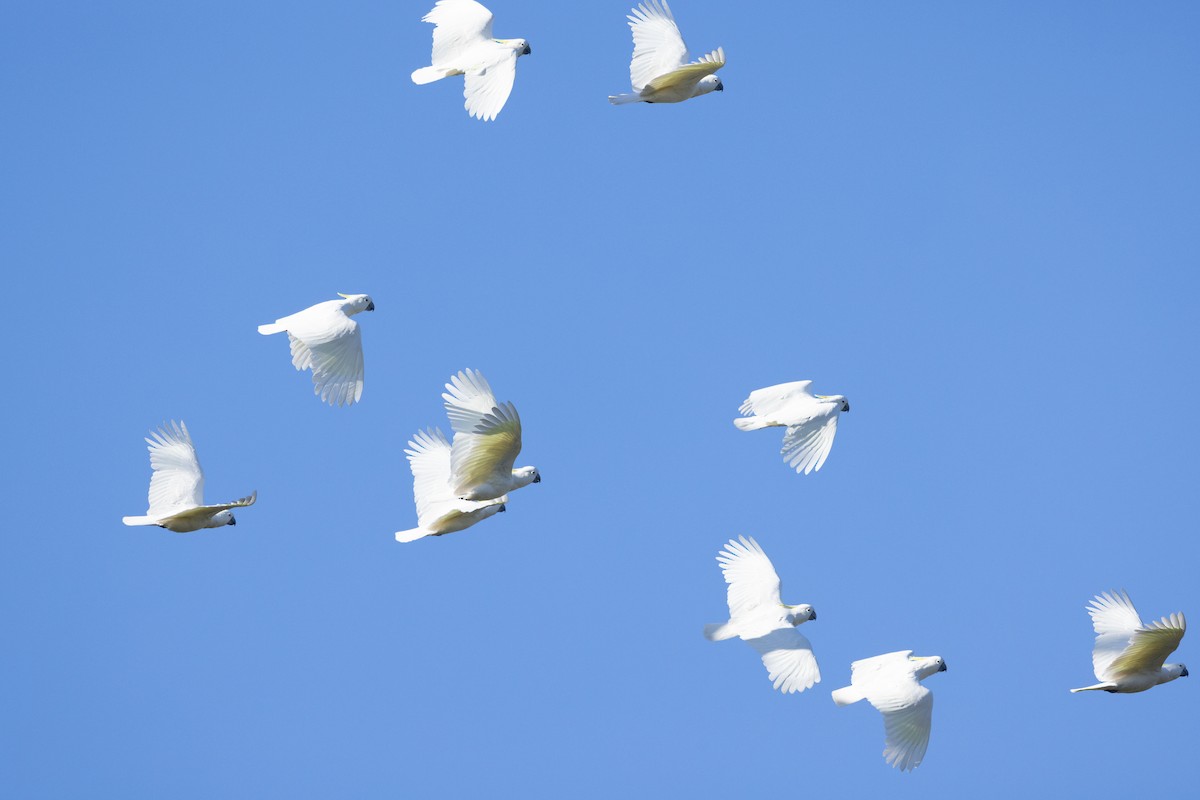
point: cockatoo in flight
(487, 440)
(463, 45)
(892, 683)
(326, 340)
(438, 510)
(660, 71)
(760, 618)
(1128, 656)
(811, 421)
(177, 486)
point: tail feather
(269, 328)
(751, 423)
(622, 99)
(430, 74)
(139, 520)
(1099, 687)
(847, 695)
(412, 535)
(719, 631)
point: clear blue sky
(976, 220)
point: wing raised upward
(461, 24)
(766, 402)
(658, 46)
(487, 434)
(178, 481)
(429, 459)
(788, 657)
(753, 582)
(1115, 621)
(805, 447)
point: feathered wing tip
(738, 548)
(847, 695)
(425, 440)
(718, 631)
(648, 10)
(1113, 612)
(468, 385)
(412, 535)
(1173, 622)
(269, 328)
(715, 57)
(169, 433)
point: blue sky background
(977, 221)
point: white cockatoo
(487, 440)
(811, 421)
(759, 617)
(892, 683)
(326, 340)
(660, 71)
(1128, 656)
(463, 45)
(438, 510)
(177, 486)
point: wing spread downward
(752, 579)
(789, 659)
(178, 481)
(658, 46)
(907, 718)
(487, 86)
(691, 73)
(429, 459)
(461, 24)
(805, 447)
(329, 343)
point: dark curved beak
(527, 50)
(942, 668)
(845, 405)
(537, 478)
(1184, 673)
(371, 306)
(720, 87)
(502, 509)
(233, 521)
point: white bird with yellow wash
(487, 440)
(762, 620)
(1128, 656)
(660, 71)
(326, 340)
(438, 510)
(892, 683)
(811, 421)
(177, 486)
(463, 45)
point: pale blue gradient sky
(977, 221)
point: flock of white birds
(460, 482)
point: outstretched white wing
(690, 73)
(658, 46)
(178, 481)
(327, 341)
(806, 446)
(487, 434)
(753, 582)
(789, 659)
(1149, 648)
(461, 24)
(487, 85)
(429, 459)
(766, 402)
(907, 709)
(1115, 621)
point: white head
(356, 303)
(523, 476)
(222, 518)
(1172, 671)
(927, 665)
(709, 83)
(520, 45)
(800, 614)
